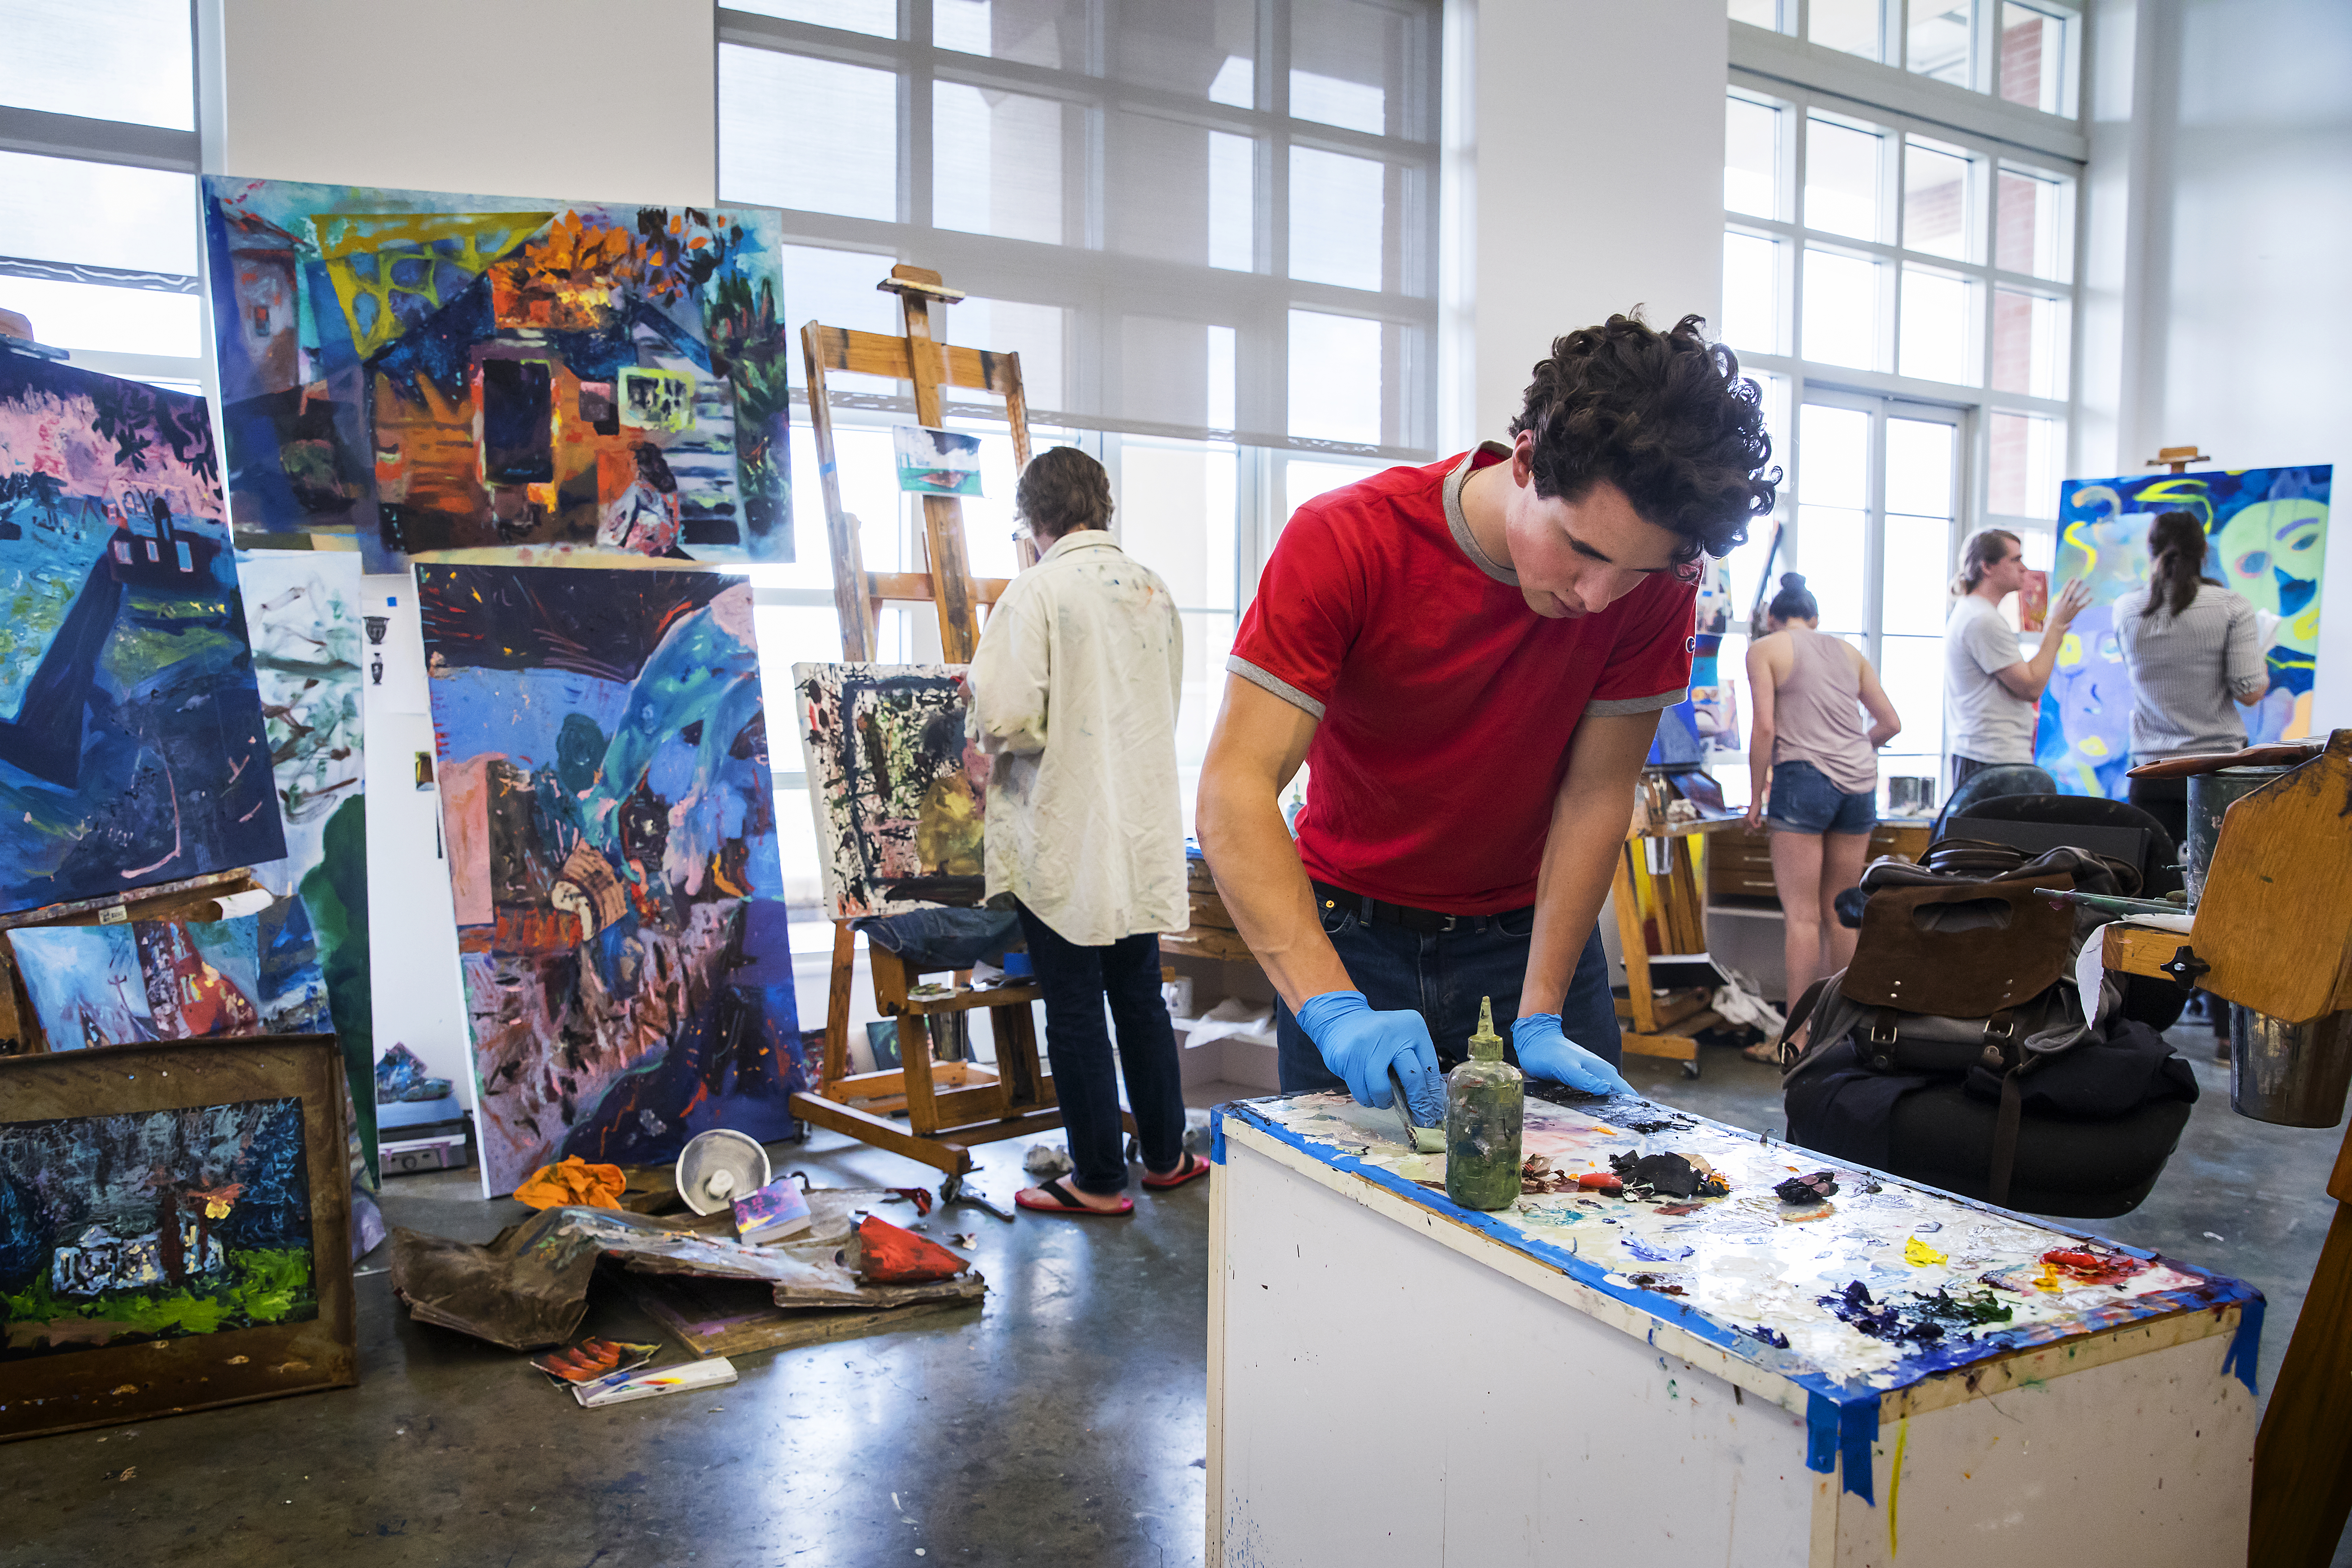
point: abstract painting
(174, 1229)
(152, 1225)
(439, 372)
(605, 796)
(900, 807)
(303, 618)
(132, 745)
(1707, 718)
(139, 981)
(2267, 539)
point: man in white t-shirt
(1991, 690)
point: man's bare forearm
(1265, 888)
(1589, 819)
(1254, 753)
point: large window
(97, 163)
(2026, 52)
(1206, 227)
(1903, 290)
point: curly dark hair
(1061, 491)
(1665, 418)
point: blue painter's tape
(2246, 1343)
(828, 468)
(1858, 1429)
(1820, 1433)
(1217, 1136)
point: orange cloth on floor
(573, 1181)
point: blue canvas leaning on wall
(133, 749)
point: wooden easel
(2273, 932)
(950, 1105)
(1666, 1026)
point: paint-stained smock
(1074, 694)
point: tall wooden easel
(950, 1105)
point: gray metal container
(2210, 795)
(2293, 1075)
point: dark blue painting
(133, 749)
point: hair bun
(1792, 580)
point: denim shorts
(1803, 800)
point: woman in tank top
(1812, 769)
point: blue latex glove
(1546, 1053)
(1359, 1045)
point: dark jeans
(1075, 981)
(1440, 975)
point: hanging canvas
(132, 745)
(1707, 720)
(610, 819)
(900, 809)
(139, 981)
(174, 1231)
(439, 372)
(2267, 539)
(303, 619)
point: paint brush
(1419, 1138)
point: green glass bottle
(1485, 1099)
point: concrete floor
(1062, 1425)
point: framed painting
(133, 749)
(900, 812)
(2266, 536)
(175, 1227)
(436, 372)
(606, 796)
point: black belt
(1377, 912)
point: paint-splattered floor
(1064, 1427)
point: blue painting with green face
(2267, 539)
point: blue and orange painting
(2266, 535)
(155, 980)
(152, 1225)
(133, 749)
(610, 817)
(439, 372)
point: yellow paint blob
(1919, 1255)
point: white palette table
(1591, 1379)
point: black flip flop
(1067, 1204)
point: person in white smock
(1074, 696)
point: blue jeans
(1077, 981)
(1442, 975)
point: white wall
(590, 100)
(453, 95)
(2219, 223)
(1589, 179)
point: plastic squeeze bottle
(1485, 1099)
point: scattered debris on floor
(1046, 1161)
(573, 1181)
(685, 1377)
(592, 1360)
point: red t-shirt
(1447, 706)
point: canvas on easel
(2266, 534)
(900, 799)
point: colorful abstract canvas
(2267, 539)
(154, 1225)
(439, 372)
(606, 800)
(158, 980)
(303, 618)
(132, 745)
(901, 814)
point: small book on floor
(776, 1211)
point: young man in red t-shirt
(1471, 658)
